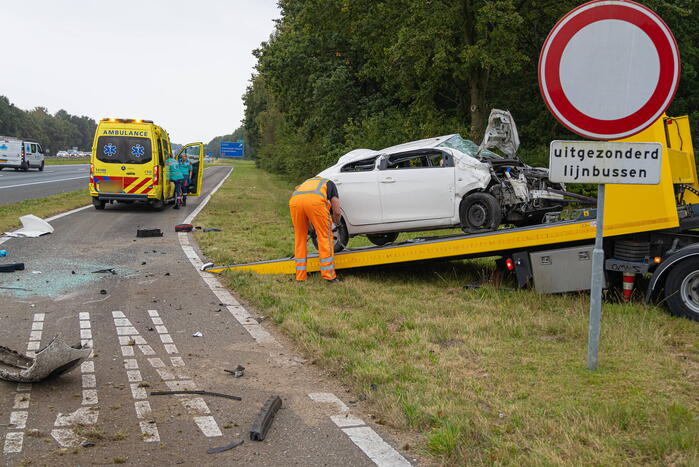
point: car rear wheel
(41, 167)
(25, 166)
(382, 239)
(479, 212)
(340, 236)
(682, 289)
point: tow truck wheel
(98, 203)
(479, 212)
(682, 289)
(382, 239)
(340, 237)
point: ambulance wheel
(41, 167)
(682, 289)
(158, 204)
(382, 239)
(340, 236)
(98, 203)
(479, 212)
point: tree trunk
(479, 114)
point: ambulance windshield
(123, 150)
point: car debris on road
(225, 448)
(54, 359)
(149, 233)
(11, 267)
(32, 227)
(238, 372)
(261, 425)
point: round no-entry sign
(609, 69)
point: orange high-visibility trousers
(315, 209)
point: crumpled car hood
(501, 133)
(54, 359)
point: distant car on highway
(20, 155)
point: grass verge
(41, 207)
(487, 376)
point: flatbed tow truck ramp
(647, 229)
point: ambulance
(128, 164)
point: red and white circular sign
(609, 69)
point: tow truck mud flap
(54, 359)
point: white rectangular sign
(605, 162)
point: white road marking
(149, 429)
(88, 413)
(44, 182)
(257, 332)
(379, 451)
(19, 416)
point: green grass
(486, 376)
(41, 207)
(53, 161)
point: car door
(415, 186)
(195, 154)
(359, 192)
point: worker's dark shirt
(332, 190)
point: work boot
(184, 201)
(176, 206)
(333, 281)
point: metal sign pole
(597, 284)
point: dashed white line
(88, 413)
(376, 449)
(20, 414)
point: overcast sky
(182, 63)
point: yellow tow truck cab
(128, 164)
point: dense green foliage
(214, 145)
(55, 132)
(338, 74)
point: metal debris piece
(238, 372)
(105, 271)
(149, 233)
(225, 448)
(16, 288)
(206, 265)
(54, 359)
(201, 393)
(32, 227)
(264, 419)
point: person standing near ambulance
(316, 201)
(185, 168)
(175, 176)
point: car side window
(364, 165)
(407, 161)
(38, 146)
(440, 159)
(33, 147)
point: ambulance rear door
(195, 155)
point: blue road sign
(229, 149)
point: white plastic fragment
(32, 227)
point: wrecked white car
(441, 182)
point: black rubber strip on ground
(200, 393)
(12, 267)
(225, 448)
(261, 425)
(149, 233)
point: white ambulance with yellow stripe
(128, 164)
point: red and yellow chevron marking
(137, 185)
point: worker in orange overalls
(314, 201)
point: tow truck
(649, 229)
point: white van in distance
(18, 154)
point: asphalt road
(141, 328)
(18, 186)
